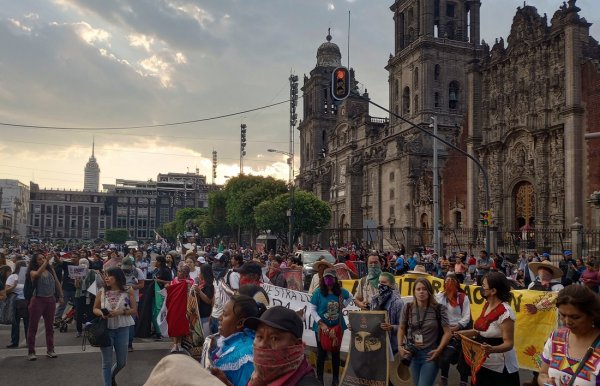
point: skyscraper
(91, 182)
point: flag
(475, 356)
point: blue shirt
(235, 357)
(399, 263)
(412, 262)
(328, 308)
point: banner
(474, 355)
(535, 311)
(77, 272)
(369, 350)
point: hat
(546, 254)
(127, 262)
(567, 252)
(556, 272)
(317, 265)
(175, 369)
(399, 372)
(330, 272)
(280, 318)
(419, 270)
(201, 260)
(342, 249)
(250, 268)
(218, 256)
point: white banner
(77, 272)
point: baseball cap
(546, 254)
(127, 262)
(280, 318)
(250, 268)
(201, 260)
(567, 252)
(330, 272)
(218, 256)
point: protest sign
(368, 351)
(77, 272)
(293, 278)
(474, 355)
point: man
(134, 277)
(68, 283)
(343, 258)
(251, 273)
(319, 266)
(279, 357)
(548, 277)
(484, 265)
(275, 274)
(142, 263)
(567, 266)
(368, 286)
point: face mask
(383, 287)
(329, 281)
(270, 365)
(245, 280)
(374, 271)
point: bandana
(451, 290)
(483, 322)
(245, 281)
(329, 281)
(385, 293)
(270, 365)
(373, 276)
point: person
(46, 289)
(115, 303)
(458, 308)
(275, 274)
(231, 354)
(420, 338)
(176, 370)
(548, 276)
(413, 261)
(171, 265)
(134, 278)
(183, 275)
(68, 283)
(83, 299)
(205, 293)
(162, 274)
(388, 299)
(142, 263)
(367, 286)
(190, 261)
(591, 277)
(327, 303)
(279, 357)
(495, 329)
(251, 273)
(567, 266)
(484, 266)
(319, 267)
(460, 269)
(15, 284)
(579, 312)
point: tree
(117, 235)
(189, 217)
(168, 230)
(311, 214)
(215, 224)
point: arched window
(436, 72)
(436, 99)
(458, 219)
(406, 100)
(453, 90)
(416, 78)
(450, 30)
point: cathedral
(527, 109)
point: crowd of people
(218, 314)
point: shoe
(51, 354)
(130, 349)
(14, 345)
(174, 349)
(31, 357)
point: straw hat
(419, 270)
(177, 369)
(319, 263)
(556, 272)
(399, 372)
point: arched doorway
(524, 197)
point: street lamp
(290, 211)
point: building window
(416, 105)
(86, 211)
(453, 90)
(48, 221)
(392, 211)
(73, 222)
(416, 78)
(61, 222)
(102, 223)
(392, 176)
(392, 194)
(48, 209)
(436, 99)
(450, 10)
(458, 219)
(436, 72)
(406, 101)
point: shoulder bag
(587, 355)
(330, 338)
(96, 333)
(8, 309)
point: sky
(118, 63)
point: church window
(416, 104)
(450, 30)
(436, 99)
(458, 219)
(392, 194)
(416, 77)
(392, 176)
(392, 211)
(436, 72)
(406, 100)
(453, 90)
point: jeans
(422, 371)
(69, 297)
(22, 313)
(119, 338)
(41, 307)
(335, 362)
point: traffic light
(485, 218)
(340, 83)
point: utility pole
(242, 146)
(214, 166)
(293, 120)
(437, 245)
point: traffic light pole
(484, 174)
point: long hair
(499, 282)
(582, 298)
(119, 276)
(207, 274)
(431, 299)
(246, 307)
(336, 289)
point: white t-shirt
(139, 275)
(14, 279)
(497, 361)
(195, 274)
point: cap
(280, 318)
(546, 254)
(330, 272)
(567, 252)
(250, 268)
(127, 262)
(201, 260)
(175, 370)
(218, 256)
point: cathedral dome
(328, 54)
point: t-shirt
(328, 308)
(14, 279)
(424, 322)
(130, 279)
(561, 366)
(206, 309)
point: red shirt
(352, 267)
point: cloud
(330, 7)
(91, 35)
(139, 40)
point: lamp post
(290, 212)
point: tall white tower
(91, 181)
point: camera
(412, 349)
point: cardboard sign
(77, 272)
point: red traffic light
(340, 83)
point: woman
(171, 265)
(459, 318)
(388, 299)
(579, 311)
(5, 272)
(231, 354)
(591, 277)
(495, 328)
(460, 269)
(190, 261)
(115, 303)
(162, 274)
(319, 266)
(15, 283)
(327, 303)
(275, 274)
(43, 302)
(420, 325)
(205, 293)
(183, 275)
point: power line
(142, 126)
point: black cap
(280, 318)
(250, 268)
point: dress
(562, 366)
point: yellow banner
(535, 311)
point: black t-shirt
(163, 273)
(206, 309)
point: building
(91, 180)
(15, 202)
(528, 112)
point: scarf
(451, 290)
(378, 303)
(373, 276)
(483, 322)
(271, 365)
